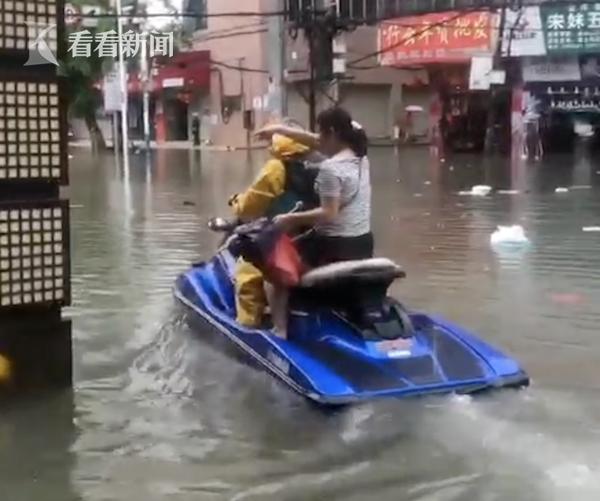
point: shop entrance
(569, 115)
(465, 114)
(176, 112)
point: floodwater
(158, 413)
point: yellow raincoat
(252, 204)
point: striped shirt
(346, 177)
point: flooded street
(157, 413)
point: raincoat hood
(284, 148)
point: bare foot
(280, 333)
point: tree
(82, 76)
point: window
(198, 9)
(201, 22)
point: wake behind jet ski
(347, 340)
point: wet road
(159, 414)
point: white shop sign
(523, 33)
(173, 82)
(552, 70)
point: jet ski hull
(327, 361)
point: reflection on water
(36, 436)
(161, 412)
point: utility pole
(243, 99)
(491, 139)
(312, 84)
(277, 62)
(145, 74)
(320, 27)
(321, 23)
(123, 80)
(281, 75)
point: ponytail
(339, 122)
(360, 143)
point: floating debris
(561, 190)
(508, 192)
(70, 156)
(481, 190)
(418, 195)
(188, 203)
(451, 168)
(427, 183)
(591, 229)
(510, 235)
(76, 206)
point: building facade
(248, 55)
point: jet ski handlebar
(224, 225)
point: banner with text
(571, 28)
(443, 37)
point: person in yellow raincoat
(283, 181)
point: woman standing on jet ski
(342, 223)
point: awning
(187, 71)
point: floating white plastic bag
(511, 235)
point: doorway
(177, 120)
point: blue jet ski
(347, 340)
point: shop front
(444, 43)
(562, 89)
(464, 116)
(566, 94)
(174, 83)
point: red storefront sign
(442, 37)
(189, 70)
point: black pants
(320, 250)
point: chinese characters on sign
(106, 44)
(438, 37)
(571, 28)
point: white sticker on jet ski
(280, 363)
(396, 348)
(399, 354)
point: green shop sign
(571, 28)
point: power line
(210, 33)
(238, 68)
(186, 14)
(354, 63)
(232, 35)
(287, 13)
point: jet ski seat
(355, 273)
(356, 289)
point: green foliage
(83, 73)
